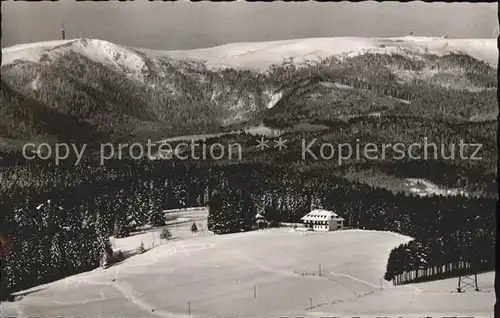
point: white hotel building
(323, 220)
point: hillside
(333, 89)
(88, 203)
(57, 219)
(122, 93)
(216, 275)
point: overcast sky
(185, 25)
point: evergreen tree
(224, 213)
(156, 218)
(121, 227)
(57, 257)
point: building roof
(321, 215)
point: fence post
(189, 307)
(254, 291)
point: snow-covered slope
(232, 275)
(99, 51)
(432, 299)
(29, 51)
(217, 274)
(260, 55)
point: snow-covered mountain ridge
(144, 92)
(259, 55)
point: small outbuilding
(323, 220)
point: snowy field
(424, 187)
(432, 299)
(260, 273)
(258, 130)
(179, 224)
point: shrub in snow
(194, 228)
(274, 224)
(118, 256)
(165, 234)
(141, 249)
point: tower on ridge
(63, 32)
